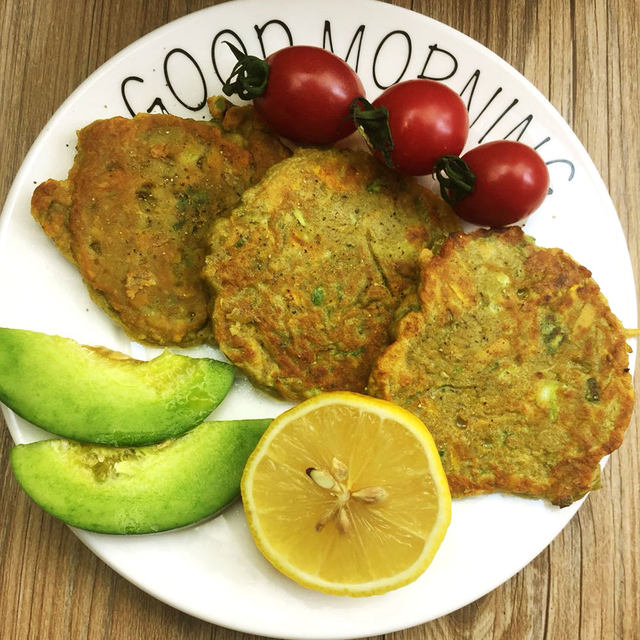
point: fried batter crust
(135, 212)
(310, 270)
(516, 365)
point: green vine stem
(373, 124)
(455, 177)
(248, 77)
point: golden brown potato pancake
(135, 212)
(517, 366)
(310, 270)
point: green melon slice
(93, 394)
(129, 490)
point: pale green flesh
(129, 490)
(93, 396)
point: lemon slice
(346, 494)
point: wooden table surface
(584, 56)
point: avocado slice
(94, 394)
(139, 489)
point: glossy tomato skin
(511, 182)
(427, 120)
(308, 94)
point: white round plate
(213, 570)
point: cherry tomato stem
(248, 77)
(455, 177)
(373, 124)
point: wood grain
(584, 55)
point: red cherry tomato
(306, 96)
(511, 181)
(427, 120)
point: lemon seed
(371, 495)
(343, 522)
(340, 470)
(321, 478)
